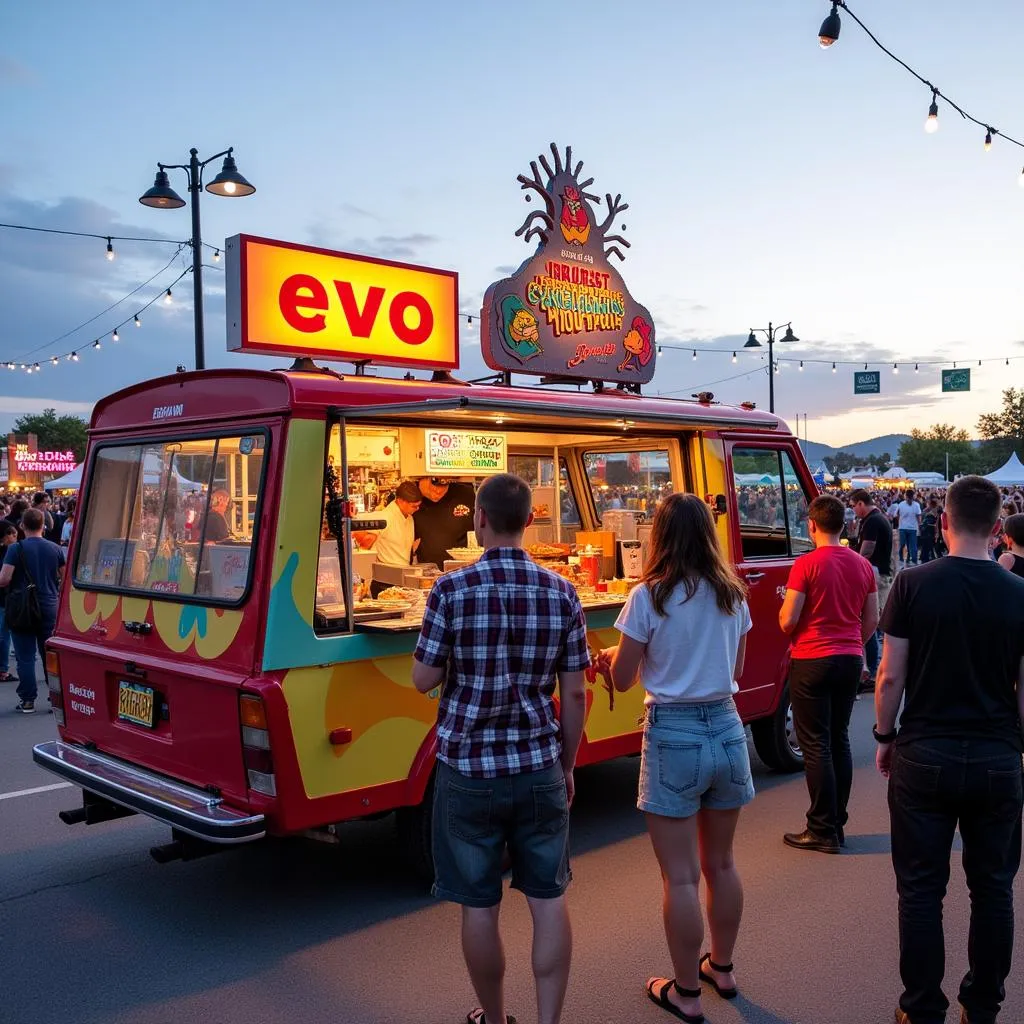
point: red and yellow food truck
(219, 663)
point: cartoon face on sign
(575, 224)
(520, 329)
(637, 344)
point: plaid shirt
(506, 626)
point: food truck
(219, 663)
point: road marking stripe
(37, 789)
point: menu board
(465, 453)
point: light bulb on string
(168, 298)
(829, 31)
(115, 336)
(660, 350)
(216, 255)
(138, 320)
(734, 357)
(801, 366)
(35, 367)
(74, 357)
(776, 366)
(55, 360)
(865, 366)
(916, 370)
(988, 139)
(110, 249)
(833, 367)
(931, 123)
(694, 353)
(469, 321)
(96, 344)
(895, 368)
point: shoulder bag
(22, 613)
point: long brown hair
(685, 549)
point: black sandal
(477, 1017)
(725, 993)
(661, 999)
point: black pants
(823, 691)
(934, 786)
(927, 548)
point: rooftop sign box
(566, 311)
(303, 301)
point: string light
(829, 31)
(694, 353)
(916, 370)
(931, 122)
(833, 367)
(216, 256)
(801, 366)
(110, 249)
(895, 368)
(55, 360)
(35, 367)
(734, 357)
(168, 298)
(660, 350)
(74, 357)
(96, 344)
(115, 336)
(988, 140)
(138, 320)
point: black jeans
(934, 785)
(823, 691)
(927, 548)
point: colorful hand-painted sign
(566, 311)
(303, 301)
(465, 452)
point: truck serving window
(173, 517)
(635, 480)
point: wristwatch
(887, 737)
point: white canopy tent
(1009, 474)
(70, 480)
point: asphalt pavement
(93, 930)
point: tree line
(1001, 433)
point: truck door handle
(751, 577)
(138, 628)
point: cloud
(358, 211)
(13, 406)
(385, 247)
(506, 270)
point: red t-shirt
(835, 581)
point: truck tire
(414, 827)
(775, 738)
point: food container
(590, 565)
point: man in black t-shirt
(874, 542)
(954, 653)
(444, 518)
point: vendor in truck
(444, 519)
(396, 543)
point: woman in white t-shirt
(684, 637)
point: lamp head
(789, 335)
(752, 341)
(161, 196)
(229, 182)
(829, 31)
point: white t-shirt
(691, 650)
(394, 544)
(908, 511)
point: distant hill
(890, 443)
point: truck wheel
(775, 738)
(414, 826)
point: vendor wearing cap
(444, 519)
(396, 543)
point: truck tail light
(259, 761)
(53, 683)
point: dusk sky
(767, 179)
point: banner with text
(867, 382)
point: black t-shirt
(216, 527)
(929, 521)
(444, 524)
(874, 526)
(964, 619)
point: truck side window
(771, 504)
(636, 480)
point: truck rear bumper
(180, 806)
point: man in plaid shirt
(498, 634)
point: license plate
(135, 703)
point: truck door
(769, 530)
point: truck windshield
(173, 517)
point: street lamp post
(752, 342)
(161, 196)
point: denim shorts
(476, 820)
(694, 756)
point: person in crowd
(39, 562)
(908, 518)
(684, 637)
(498, 635)
(69, 523)
(396, 543)
(444, 518)
(217, 529)
(18, 508)
(929, 528)
(874, 542)
(1013, 537)
(8, 536)
(954, 657)
(831, 610)
(42, 501)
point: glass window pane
(635, 480)
(762, 520)
(796, 508)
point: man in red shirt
(831, 608)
